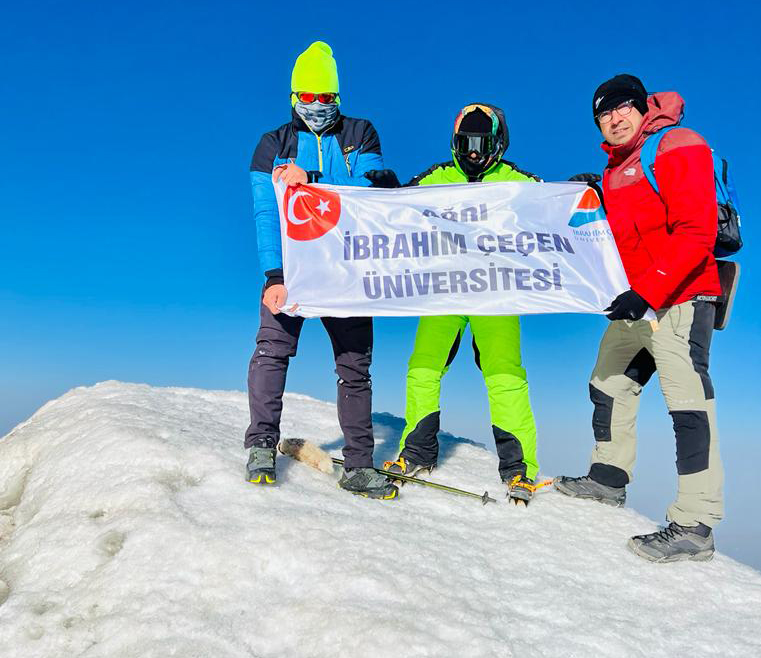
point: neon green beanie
(315, 70)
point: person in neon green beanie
(315, 70)
(318, 145)
(314, 87)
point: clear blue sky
(128, 247)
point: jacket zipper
(319, 150)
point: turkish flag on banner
(310, 211)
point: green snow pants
(497, 348)
(630, 353)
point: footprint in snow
(111, 543)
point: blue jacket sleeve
(265, 205)
(369, 158)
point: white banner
(470, 249)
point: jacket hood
(663, 109)
(501, 130)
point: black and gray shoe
(586, 487)
(260, 468)
(674, 543)
(367, 482)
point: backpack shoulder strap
(648, 153)
(725, 187)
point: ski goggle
(325, 98)
(464, 144)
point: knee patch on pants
(274, 349)
(693, 439)
(603, 413)
(353, 378)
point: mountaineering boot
(260, 468)
(675, 542)
(520, 489)
(367, 482)
(586, 487)
(404, 466)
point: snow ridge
(126, 529)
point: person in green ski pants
(479, 140)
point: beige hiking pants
(630, 353)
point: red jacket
(666, 242)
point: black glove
(593, 181)
(383, 178)
(627, 306)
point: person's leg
(681, 349)
(623, 367)
(497, 348)
(352, 340)
(276, 342)
(436, 343)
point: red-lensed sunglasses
(311, 97)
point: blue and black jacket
(341, 155)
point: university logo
(310, 212)
(587, 210)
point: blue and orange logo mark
(587, 210)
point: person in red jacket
(666, 244)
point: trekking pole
(485, 498)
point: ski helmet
(479, 139)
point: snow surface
(127, 529)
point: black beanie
(476, 121)
(617, 90)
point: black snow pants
(276, 343)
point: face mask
(318, 116)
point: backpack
(728, 239)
